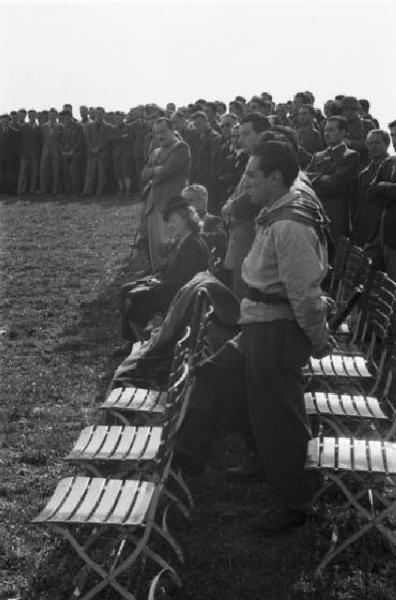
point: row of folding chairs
(115, 513)
(351, 399)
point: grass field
(62, 263)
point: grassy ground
(62, 263)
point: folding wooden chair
(364, 470)
(352, 414)
(125, 451)
(109, 523)
(348, 367)
(147, 406)
(134, 405)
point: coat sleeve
(177, 162)
(192, 257)
(336, 183)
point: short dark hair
(258, 121)
(302, 95)
(277, 156)
(289, 133)
(383, 134)
(392, 124)
(342, 123)
(166, 120)
(212, 106)
(239, 99)
(237, 104)
(365, 104)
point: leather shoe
(249, 471)
(279, 519)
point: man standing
(30, 155)
(239, 211)
(72, 146)
(383, 193)
(207, 154)
(308, 137)
(164, 176)
(367, 215)
(358, 128)
(253, 383)
(333, 173)
(98, 135)
(51, 154)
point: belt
(257, 296)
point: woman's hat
(174, 204)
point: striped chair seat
(351, 454)
(98, 501)
(344, 405)
(337, 365)
(135, 399)
(117, 443)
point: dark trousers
(95, 173)
(28, 173)
(50, 167)
(253, 384)
(71, 173)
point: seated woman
(189, 255)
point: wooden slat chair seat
(115, 512)
(104, 446)
(130, 403)
(372, 467)
(344, 366)
(350, 414)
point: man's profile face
(162, 133)
(260, 184)
(376, 146)
(392, 132)
(248, 137)
(333, 135)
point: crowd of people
(279, 185)
(269, 189)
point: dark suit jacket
(98, 136)
(31, 141)
(333, 174)
(51, 137)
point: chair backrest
(356, 271)
(214, 260)
(181, 353)
(377, 322)
(177, 401)
(344, 245)
(389, 393)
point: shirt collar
(282, 201)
